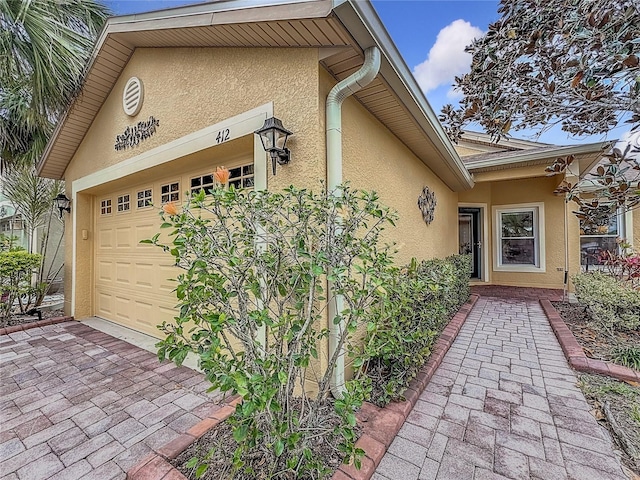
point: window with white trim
(105, 207)
(520, 238)
(602, 236)
(170, 192)
(124, 203)
(204, 182)
(145, 198)
(242, 176)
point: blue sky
(430, 34)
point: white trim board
(239, 125)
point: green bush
(404, 325)
(257, 262)
(627, 356)
(611, 302)
(15, 278)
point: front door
(469, 237)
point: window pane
(592, 247)
(207, 180)
(518, 252)
(604, 227)
(517, 224)
(195, 182)
(235, 172)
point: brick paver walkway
(76, 403)
(503, 404)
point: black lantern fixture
(274, 140)
(63, 203)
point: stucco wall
(530, 190)
(374, 159)
(188, 89)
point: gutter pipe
(338, 94)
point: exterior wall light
(63, 203)
(274, 140)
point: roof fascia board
(503, 142)
(233, 11)
(533, 156)
(366, 28)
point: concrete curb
(380, 425)
(156, 466)
(40, 323)
(575, 354)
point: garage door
(132, 280)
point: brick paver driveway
(503, 404)
(76, 403)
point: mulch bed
(616, 404)
(216, 447)
(596, 341)
(24, 319)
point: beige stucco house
(170, 95)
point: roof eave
(366, 28)
(528, 157)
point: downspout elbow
(341, 91)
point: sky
(430, 35)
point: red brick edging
(380, 425)
(575, 354)
(156, 466)
(39, 323)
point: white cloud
(447, 57)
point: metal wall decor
(132, 136)
(427, 204)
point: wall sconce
(63, 203)
(274, 140)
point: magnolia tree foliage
(576, 64)
(546, 63)
(253, 305)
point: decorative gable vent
(132, 96)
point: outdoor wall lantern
(63, 203)
(274, 140)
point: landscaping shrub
(260, 260)
(613, 303)
(627, 356)
(16, 268)
(403, 326)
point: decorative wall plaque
(427, 204)
(132, 136)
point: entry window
(602, 237)
(205, 182)
(124, 203)
(519, 238)
(170, 192)
(105, 207)
(241, 177)
(145, 198)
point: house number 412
(223, 136)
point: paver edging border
(380, 425)
(574, 353)
(156, 466)
(38, 323)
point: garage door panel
(124, 271)
(144, 275)
(145, 232)
(105, 271)
(124, 238)
(165, 274)
(104, 304)
(123, 309)
(105, 239)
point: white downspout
(336, 97)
